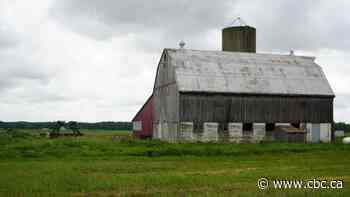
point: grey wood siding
(206, 107)
(166, 99)
(165, 93)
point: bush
(5, 138)
(12, 136)
(19, 134)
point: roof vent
(182, 44)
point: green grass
(96, 165)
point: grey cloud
(342, 107)
(49, 97)
(6, 42)
(302, 25)
(38, 94)
(16, 65)
(16, 69)
(342, 101)
(7, 82)
(281, 25)
(7, 37)
(167, 21)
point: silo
(239, 39)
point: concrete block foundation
(210, 133)
(235, 131)
(186, 131)
(318, 132)
(259, 131)
(326, 132)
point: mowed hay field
(99, 164)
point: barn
(238, 95)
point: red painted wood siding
(145, 115)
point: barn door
(325, 132)
(315, 133)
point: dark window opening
(197, 127)
(296, 125)
(223, 126)
(248, 127)
(165, 64)
(270, 126)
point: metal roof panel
(233, 72)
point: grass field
(97, 165)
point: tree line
(109, 125)
(342, 126)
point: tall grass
(23, 145)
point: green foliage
(342, 126)
(11, 136)
(82, 125)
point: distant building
(237, 95)
(339, 133)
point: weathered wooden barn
(237, 95)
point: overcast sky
(95, 60)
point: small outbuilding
(339, 133)
(143, 120)
(289, 134)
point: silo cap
(238, 22)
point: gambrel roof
(250, 73)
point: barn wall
(144, 121)
(200, 108)
(166, 102)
